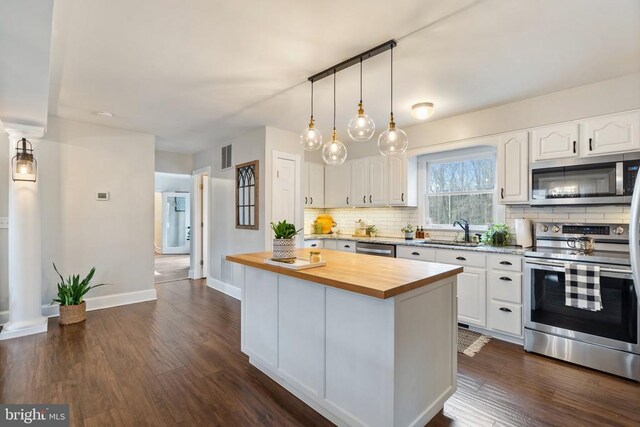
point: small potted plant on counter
(408, 231)
(372, 230)
(497, 235)
(71, 292)
(284, 242)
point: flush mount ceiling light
(311, 138)
(393, 141)
(334, 152)
(422, 110)
(104, 114)
(24, 166)
(361, 127)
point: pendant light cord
(361, 80)
(312, 100)
(334, 100)
(391, 81)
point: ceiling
(198, 72)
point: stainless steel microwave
(585, 181)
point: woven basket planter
(284, 248)
(70, 314)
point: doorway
(200, 244)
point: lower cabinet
(339, 245)
(472, 296)
(316, 243)
(504, 307)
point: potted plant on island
(408, 231)
(284, 242)
(372, 230)
(497, 235)
(71, 292)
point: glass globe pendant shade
(393, 141)
(361, 127)
(311, 138)
(334, 152)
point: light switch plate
(4, 222)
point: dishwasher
(378, 249)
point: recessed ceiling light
(422, 110)
(104, 114)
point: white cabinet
(402, 181)
(330, 244)
(615, 133)
(359, 182)
(313, 185)
(377, 180)
(346, 245)
(513, 168)
(555, 142)
(504, 308)
(315, 244)
(416, 252)
(337, 186)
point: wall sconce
(24, 166)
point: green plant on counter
(72, 290)
(407, 228)
(496, 235)
(372, 229)
(284, 230)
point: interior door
(284, 191)
(176, 223)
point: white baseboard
(97, 303)
(225, 288)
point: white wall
(4, 211)
(224, 237)
(168, 162)
(170, 182)
(77, 160)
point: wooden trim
(256, 210)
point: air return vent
(226, 157)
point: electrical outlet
(4, 222)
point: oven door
(615, 326)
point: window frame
(476, 153)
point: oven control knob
(556, 229)
(544, 228)
(618, 231)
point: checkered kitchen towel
(582, 286)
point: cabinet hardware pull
(502, 193)
(415, 253)
(370, 198)
(305, 200)
(505, 309)
(505, 263)
(313, 245)
(574, 147)
(347, 246)
(505, 278)
(347, 200)
(402, 197)
(311, 200)
(364, 199)
(590, 144)
(461, 258)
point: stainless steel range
(606, 340)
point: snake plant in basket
(71, 292)
(284, 243)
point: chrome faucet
(464, 224)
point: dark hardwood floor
(177, 362)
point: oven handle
(560, 267)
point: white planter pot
(408, 236)
(284, 248)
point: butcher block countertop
(375, 276)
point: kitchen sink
(448, 243)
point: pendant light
(311, 138)
(361, 127)
(334, 153)
(24, 166)
(393, 141)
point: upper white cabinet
(359, 182)
(513, 168)
(313, 185)
(615, 133)
(555, 142)
(337, 186)
(377, 180)
(403, 181)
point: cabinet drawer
(346, 245)
(505, 286)
(416, 252)
(313, 244)
(505, 317)
(330, 244)
(505, 262)
(462, 258)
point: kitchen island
(364, 340)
